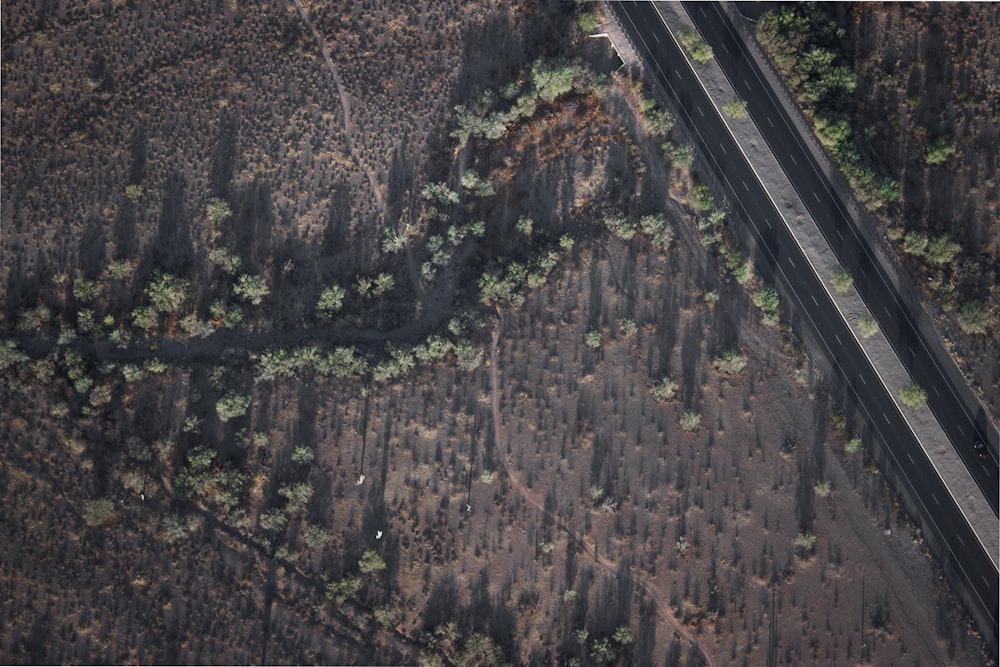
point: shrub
(695, 46)
(689, 420)
(218, 210)
(620, 225)
(853, 445)
(703, 199)
(385, 616)
(940, 152)
(867, 326)
(766, 298)
(658, 122)
(99, 512)
(842, 280)
(913, 396)
(664, 390)
(805, 541)
(627, 328)
(736, 109)
(231, 406)
(974, 317)
(680, 155)
(343, 589)
(730, 362)
(656, 227)
(251, 288)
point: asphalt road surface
(814, 312)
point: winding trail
(345, 103)
(604, 562)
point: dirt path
(345, 103)
(604, 562)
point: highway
(948, 397)
(813, 312)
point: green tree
(622, 636)
(592, 339)
(167, 292)
(10, 355)
(331, 300)
(218, 210)
(371, 562)
(85, 290)
(144, 318)
(915, 243)
(602, 651)
(225, 260)
(480, 651)
(942, 250)
(251, 288)
(696, 47)
(343, 589)
(231, 406)
(551, 81)
(121, 269)
(974, 317)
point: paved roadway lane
(815, 312)
(952, 403)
